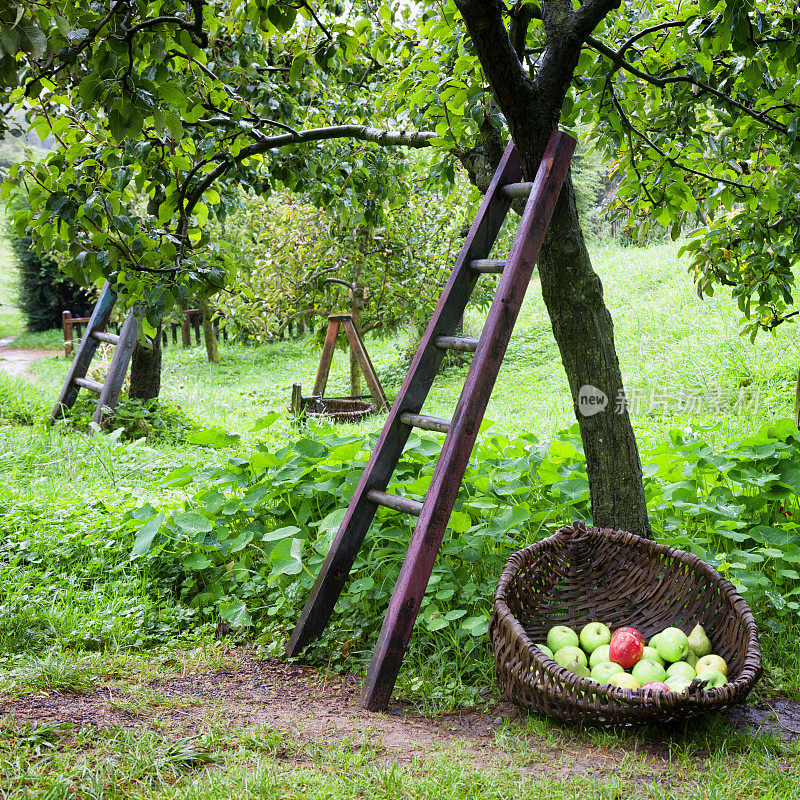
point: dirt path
(17, 362)
(309, 706)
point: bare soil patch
(312, 706)
(17, 362)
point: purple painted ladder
(461, 431)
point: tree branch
(674, 161)
(591, 14)
(360, 132)
(512, 87)
(297, 314)
(621, 63)
(521, 17)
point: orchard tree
(697, 101)
(162, 108)
(162, 111)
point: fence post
(186, 334)
(66, 324)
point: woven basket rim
(691, 696)
(349, 408)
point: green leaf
(279, 534)
(192, 523)
(361, 585)
(310, 449)
(213, 437)
(235, 613)
(196, 561)
(144, 538)
(267, 421)
(286, 558)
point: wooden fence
(192, 321)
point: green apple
(562, 636)
(711, 662)
(646, 670)
(579, 669)
(624, 680)
(599, 656)
(673, 644)
(569, 656)
(594, 635)
(691, 658)
(699, 643)
(545, 649)
(604, 670)
(654, 641)
(681, 668)
(652, 654)
(677, 683)
(712, 677)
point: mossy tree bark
(146, 369)
(209, 334)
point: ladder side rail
(112, 386)
(366, 365)
(86, 350)
(424, 367)
(449, 472)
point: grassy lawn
(81, 619)
(667, 340)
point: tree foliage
(180, 103)
(298, 262)
(44, 291)
(163, 110)
(699, 104)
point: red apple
(626, 647)
(657, 686)
(634, 631)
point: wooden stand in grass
(317, 402)
(460, 432)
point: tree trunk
(571, 290)
(584, 332)
(209, 334)
(356, 303)
(186, 333)
(146, 369)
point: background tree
(44, 291)
(161, 112)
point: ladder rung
(92, 386)
(108, 338)
(425, 422)
(514, 190)
(463, 343)
(404, 504)
(490, 265)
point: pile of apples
(669, 662)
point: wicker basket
(339, 409)
(582, 575)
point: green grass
(11, 322)
(523, 760)
(40, 340)
(74, 609)
(667, 338)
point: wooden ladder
(460, 432)
(95, 333)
